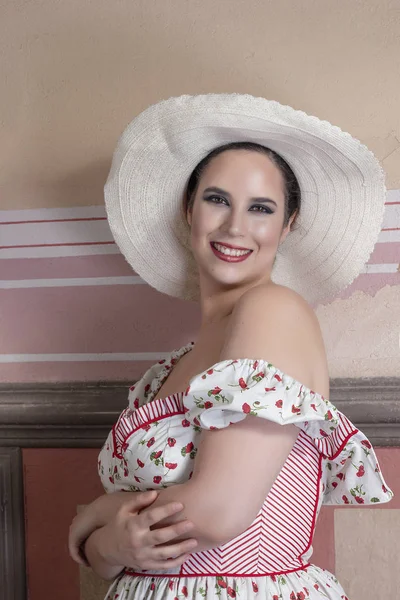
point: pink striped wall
(110, 320)
(72, 309)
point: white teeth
(230, 251)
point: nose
(234, 223)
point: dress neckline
(166, 371)
(171, 361)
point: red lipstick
(227, 257)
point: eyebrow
(217, 190)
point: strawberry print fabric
(154, 444)
(258, 388)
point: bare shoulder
(274, 323)
(272, 293)
(275, 305)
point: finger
(168, 533)
(72, 548)
(159, 513)
(74, 553)
(75, 539)
(173, 550)
(143, 499)
(139, 501)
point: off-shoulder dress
(154, 443)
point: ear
(286, 230)
(189, 217)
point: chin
(227, 276)
(229, 283)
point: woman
(237, 428)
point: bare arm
(278, 326)
(230, 462)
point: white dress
(153, 445)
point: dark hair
(292, 188)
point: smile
(230, 254)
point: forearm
(95, 549)
(106, 506)
(202, 509)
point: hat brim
(342, 186)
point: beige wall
(75, 72)
(362, 334)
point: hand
(82, 526)
(99, 513)
(129, 540)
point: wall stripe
(55, 372)
(391, 268)
(83, 357)
(102, 265)
(93, 319)
(44, 233)
(77, 281)
(370, 283)
(385, 253)
(389, 235)
(52, 220)
(63, 250)
(55, 245)
(133, 279)
(38, 214)
(393, 197)
(392, 215)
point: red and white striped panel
(130, 421)
(283, 530)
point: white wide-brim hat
(342, 188)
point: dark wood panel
(12, 535)
(81, 415)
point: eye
(216, 199)
(262, 209)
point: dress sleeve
(352, 471)
(233, 389)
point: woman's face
(237, 220)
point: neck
(217, 306)
(217, 303)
